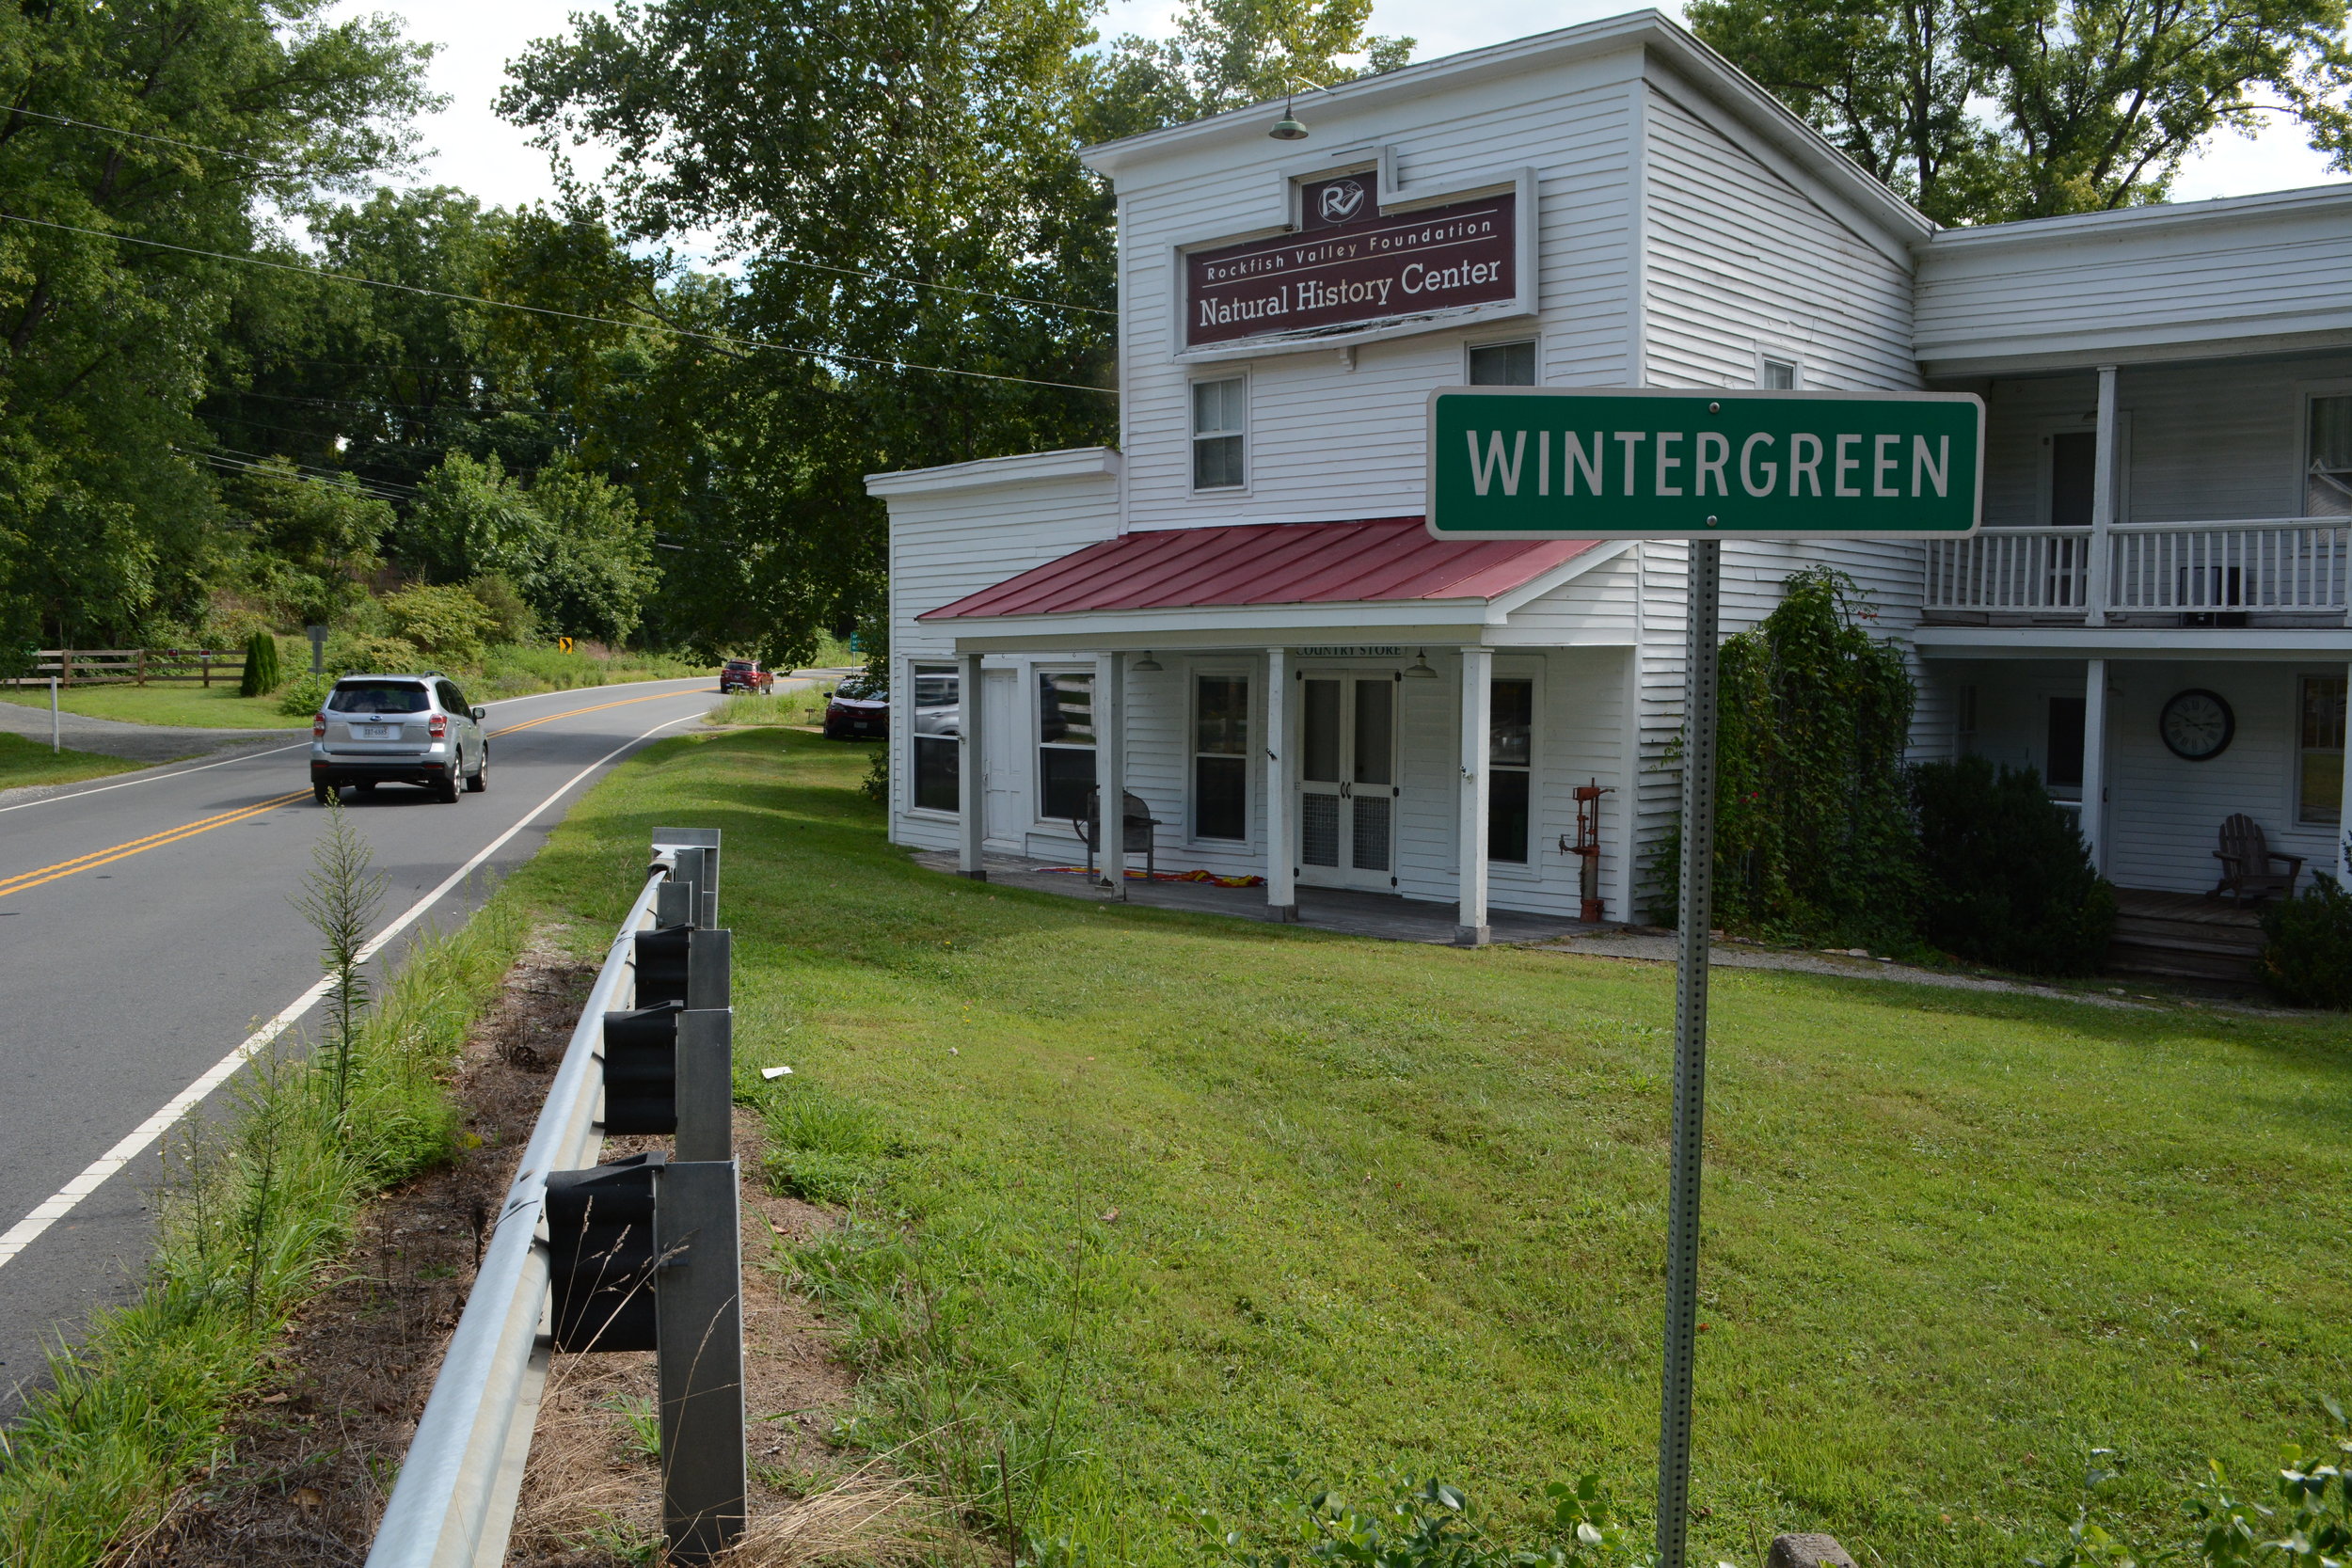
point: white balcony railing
(2292, 566)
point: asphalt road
(146, 931)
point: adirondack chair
(1139, 823)
(2247, 857)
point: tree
(600, 567)
(173, 120)
(1993, 110)
(300, 546)
(1229, 54)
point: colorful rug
(1133, 875)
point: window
(378, 697)
(1504, 364)
(1065, 732)
(2328, 482)
(1220, 421)
(1510, 755)
(1965, 722)
(938, 733)
(2319, 753)
(1776, 376)
(2064, 751)
(1220, 757)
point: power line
(658, 324)
(314, 471)
(230, 465)
(788, 259)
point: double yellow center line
(96, 857)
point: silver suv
(398, 729)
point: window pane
(1780, 376)
(1217, 463)
(1322, 732)
(1507, 815)
(1220, 797)
(2321, 795)
(1222, 721)
(1510, 722)
(2073, 466)
(1217, 406)
(935, 772)
(936, 710)
(1066, 708)
(2323, 711)
(2065, 743)
(1068, 775)
(1502, 365)
(2328, 491)
(2319, 786)
(1374, 744)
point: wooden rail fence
(134, 666)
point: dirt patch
(306, 1469)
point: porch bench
(2247, 857)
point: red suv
(744, 674)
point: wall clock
(2197, 724)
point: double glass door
(1347, 781)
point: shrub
(2308, 957)
(306, 693)
(361, 653)
(2005, 878)
(448, 623)
(262, 676)
(511, 620)
(877, 781)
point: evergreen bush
(2307, 958)
(2005, 878)
(262, 676)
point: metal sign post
(1695, 464)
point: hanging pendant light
(1147, 665)
(1419, 670)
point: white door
(1347, 781)
(1002, 815)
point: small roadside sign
(1607, 463)
(563, 645)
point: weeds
(340, 898)
(801, 705)
(254, 1208)
(823, 1147)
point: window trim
(912, 668)
(1193, 437)
(1254, 718)
(1766, 353)
(2296, 750)
(1534, 339)
(1535, 670)
(1035, 675)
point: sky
(479, 153)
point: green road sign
(1605, 463)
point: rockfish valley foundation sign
(1570, 463)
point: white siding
(2245, 273)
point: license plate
(379, 732)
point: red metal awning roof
(1381, 559)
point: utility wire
(786, 259)
(232, 466)
(314, 471)
(658, 324)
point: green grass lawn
(216, 707)
(31, 762)
(1164, 1207)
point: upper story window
(2328, 482)
(1220, 428)
(2074, 477)
(1776, 376)
(1503, 364)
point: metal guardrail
(453, 1505)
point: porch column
(2102, 479)
(2344, 812)
(1478, 674)
(1110, 766)
(2096, 763)
(1281, 885)
(971, 769)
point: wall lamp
(1290, 127)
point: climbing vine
(1813, 832)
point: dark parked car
(860, 709)
(744, 674)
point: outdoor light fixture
(1147, 665)
(1419, 670)
(1290, 127)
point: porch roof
(1375, 561)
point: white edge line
(248, 757)
(67, 1198)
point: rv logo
(1341, 201)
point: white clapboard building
(1238, 613)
